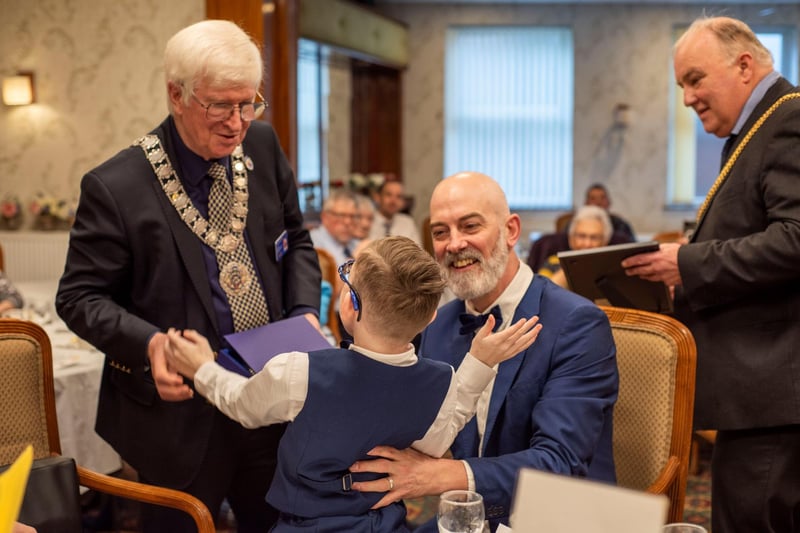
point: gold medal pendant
(235, 279)
(228, 244)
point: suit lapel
(188, 244)
(778, 89)
(260, 248)
(507, 371)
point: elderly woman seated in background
(10, 297)
(590, 228)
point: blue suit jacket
(551, 406)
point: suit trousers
(239, 465)
(755, 481)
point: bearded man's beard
(475, 283)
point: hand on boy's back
(493, 348)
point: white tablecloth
(77, 369)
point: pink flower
(9, 208)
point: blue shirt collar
(755, 97)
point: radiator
(34, 255)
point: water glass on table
(683, 527)
(460, 511)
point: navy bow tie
(472, 323)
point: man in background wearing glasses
(338, 220)
(194, 226)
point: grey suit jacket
(134, 268)
(741, 281)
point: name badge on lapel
(281, 245)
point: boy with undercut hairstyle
(343, 402)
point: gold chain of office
(226, 240)
(732, 159)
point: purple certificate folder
(250, 350)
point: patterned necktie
(472, 323)
(236, 273)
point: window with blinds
(509, 110)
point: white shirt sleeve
(458, 407)
(275, 394)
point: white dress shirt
(508, 301)
(278, 392)
(321, 238)
(400, 224)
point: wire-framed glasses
(221, 111)
(344, 274)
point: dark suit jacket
(134, 268)
(551, 406)
(741, 281)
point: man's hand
(656, 266)
(169, 383)
(19, 527)
(493, 348)
(412, 474)
(187, 351)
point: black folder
(596, 273)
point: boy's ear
(433, 317)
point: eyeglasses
(339, 214)
(344, 274)
(221, 111)
(587, 237)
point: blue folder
(250, 350)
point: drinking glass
(460, 511)
(683, 527)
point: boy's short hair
(400, 285)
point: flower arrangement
(51, 213)
(10, 213)
(365, 184)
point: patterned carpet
(697, 507)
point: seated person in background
(331, 396)
(597, 194)
(361, 228)
(10, 298)
(337, 221)
(389, 220)
(590, 227)
(550, 407)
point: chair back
(562, 222)
(28, 416)
(330, 273)
(27, 398)
(653, 415)
(668, 236)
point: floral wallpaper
(99, 85)
(622, 55)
